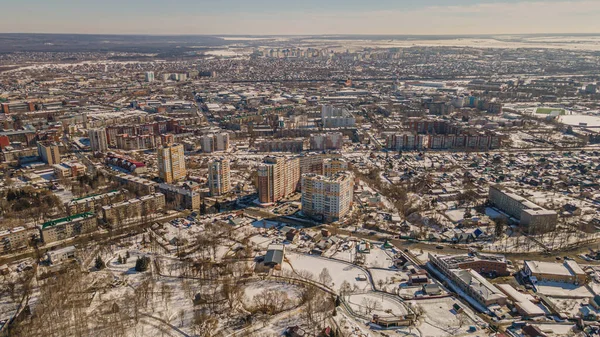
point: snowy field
(376, 304)
(338, 271)
(440, 319)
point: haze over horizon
(310, 17)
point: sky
(300, 17)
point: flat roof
(568, 268)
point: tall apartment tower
(98, 140)
(328, 198)
(149, 76)
(333, 166)
(278, 177)
(171, 163)
(48, 152)
(215, 142)
(219, 177)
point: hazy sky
(300, 16)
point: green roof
(67, 219)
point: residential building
(138, 184)
(68, 227)
(313, 163)
(149, 76)
(68, 170)
(132, 208)
(327, 197)
(333, 117)
(48, 152)
(16, 238)
(180, 197)
(567, 272)
(171, 163)
(98, 140)
(281, 145)
(530, 215)
(326, 141)
(93, 203)
(333, 166)
(219, 177)
(215, 142)
(277, 178)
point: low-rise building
(68, 227)
(16, 238)
(530, 215)
(181, 197)
(141, 185)
(142, 206)
(469, 281)
(567, 272)
(93, 203)
(68, 170)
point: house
(59, 255)
(533, 331)
(417, 279)
(294, 331)
(274, 256)
(292, 235)
(595, 302)
(587, 313)
(431, 289)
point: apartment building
(93, 203)
(98, 140)
(142, 206)
(16, 238)
(48, 152)
(406, 141)
(530, 215)
(327, 197)
(326, 141)
(333, 166)
(68, 227)
(313, 163)
(180, 197)
(277, 178)
(333, 117)
(171, 163)
(219, 177)
(281, 145)
(215, 142)
(143, 186)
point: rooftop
(67, 219)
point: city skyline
(268, 17)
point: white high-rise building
(98, 140)
(328, 198)
(219, 177)
(149, 76)
(215, 142)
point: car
(439, 247)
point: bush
(142, 264)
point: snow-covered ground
(338, 271)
